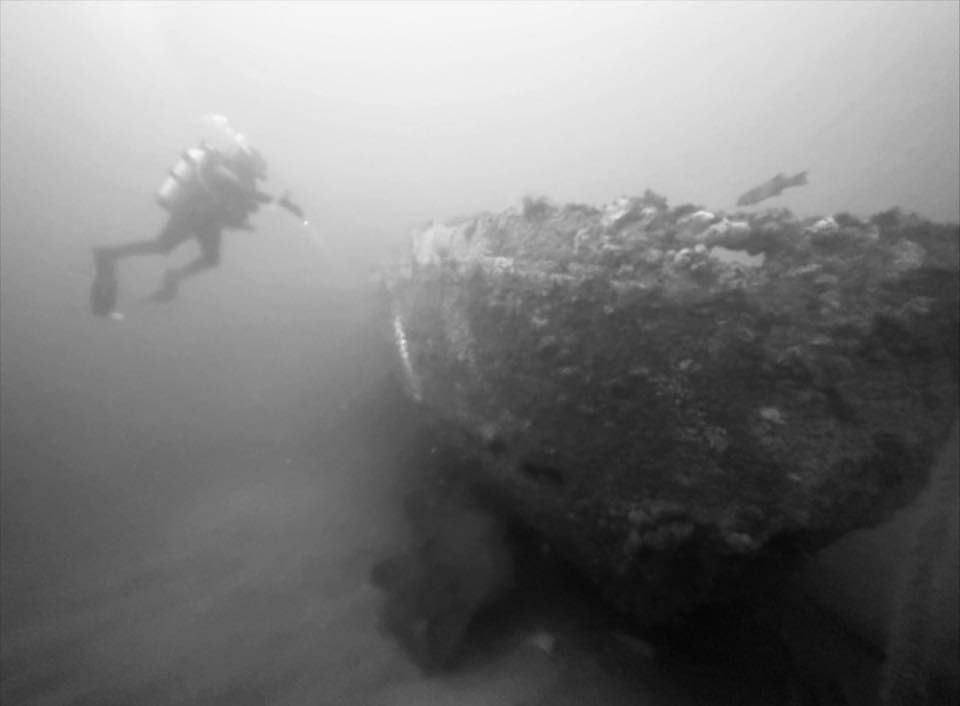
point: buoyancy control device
(184, 180)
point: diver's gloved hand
(285, 202)
(168, 290)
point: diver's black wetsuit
(227, 198)
(203, 224)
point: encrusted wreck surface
(668, 395)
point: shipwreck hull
(673, 398)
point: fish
(771, 188)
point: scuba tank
(183, 180)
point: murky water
(254, 591)
(246, 583)
(219, 552)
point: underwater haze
(193, 497)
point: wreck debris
(675, 396)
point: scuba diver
(207, 191)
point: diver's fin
(103, 296)
(104, 290)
